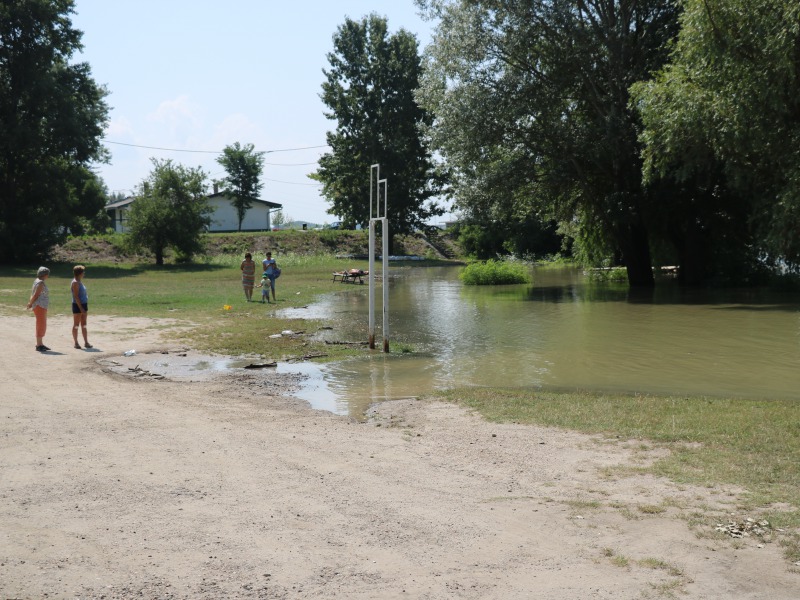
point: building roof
(121, 203)
(129, 200)
(254, 200)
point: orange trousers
(41, 321)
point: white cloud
(178, 117)
(237, 127)
(119, 127)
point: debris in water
(261, 365)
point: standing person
(80, 306)
(248, 275)
(40, 300)
(272, 271)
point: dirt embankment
(111, 249)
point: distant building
(224, 217)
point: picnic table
(350, 276)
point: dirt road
(112, 487)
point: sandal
(88, 345)
(77, 346)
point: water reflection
(568, 333)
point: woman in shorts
(80, 306)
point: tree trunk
(636, 254)
(694, 256)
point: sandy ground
(114, 487)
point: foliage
(530, 238)
(369, 89)
(495, 272)
(609, 274)
(531, 105)
(171, 210)
(52, 116)
(278, 219)
(724, 118)
(243, 166)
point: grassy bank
(751, 444)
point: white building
(224, 217)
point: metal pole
(385, 265)
(373, 214)
(385, 273)
(377, 169)
(371, 279)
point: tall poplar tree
(369, 89)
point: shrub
(495, 272)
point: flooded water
(562, 332)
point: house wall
(119, 218)
(225, 218)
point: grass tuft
(495, 272)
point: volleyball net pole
(378, 214)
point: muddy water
(562, 332)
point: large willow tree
(532, 112)
(724, 119)
(369, 89)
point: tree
(243, 182)
(532, 112)
(723, 120)
(171, 210)
(278, 218)
(52, 117)
(369, 90)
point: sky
(186, 78)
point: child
(265, 287)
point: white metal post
(376, 215)
(371, 278)
(385, 262)
(373, 214)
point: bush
(495, 272)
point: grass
(495, 272)
(752, 444)
(196, 294)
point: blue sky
(202, 74)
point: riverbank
(121, 487)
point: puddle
(305, 381)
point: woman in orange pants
(40, 300)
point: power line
(290, 182)
(210, 151)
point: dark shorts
(76, 310)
